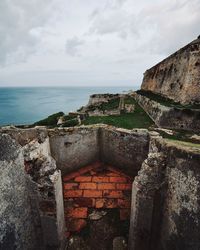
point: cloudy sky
(90, 42)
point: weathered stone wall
(123, 148)
(20, 226)
(165, 207)
(38, 186)
(178, 76)
(100, 98)
(73, 148)
(181, 210)
(170, 117)
(78, 147)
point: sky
(90, 42)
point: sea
(26, 105)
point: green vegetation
(184, 143)
(130, 100)
(50, 120)
(69, 117)
(137, 119)
(112, 104)
(70, 123)
(179, 135)
(166, 101)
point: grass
(184, 143)
(166, 101)
(50, 120)
(137, 119)
(180, 135)
(112, 104)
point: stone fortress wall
(170, 117)
(165, 190)
(178, 76)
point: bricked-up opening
(97, 201)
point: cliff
(178, 76)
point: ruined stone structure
(170, 117)
(164, 175)
(178, 76)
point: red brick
(124, 214)
(84, 202)
(113, 174)
(92, 193)
(100, 179)
(88, 185)
(83, 178)
(112, 194)
(70, 176)
(70, 185)
(85, 169)
(92, 172)
(124, 186)
(80, 212)
(75, 225)
(106, 186)
(124, 203)
(106, 203)
(72, 193)
(118, 179)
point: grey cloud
(73, 45)
(18, 19)
(175, 25)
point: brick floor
(95, 186)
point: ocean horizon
(26, 105)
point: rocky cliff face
(178, 76)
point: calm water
(28, 105)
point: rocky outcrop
(178, 76)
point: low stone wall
(170, 117)
(165, 207)
(36, 215)
(73, 148)
(20, 226)
(100, 98)
(123, 148)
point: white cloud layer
(90, 42)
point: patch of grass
(166, 101)
(137, 119)
(179, 135)
(69, 117)
(70, 123)
(112, 104)
(50, 120)
(184, 143)
(129, 100)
